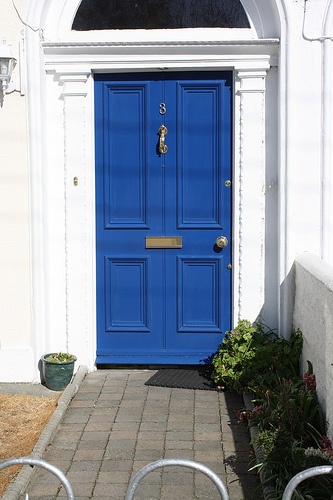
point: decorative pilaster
(74, 95)
(250, 192)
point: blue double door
(163, 202)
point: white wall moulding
(250, 182)
(168, 55)
(77, 252)
(73, 83)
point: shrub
(252, 355)
(284, 457)
(290, 407)
(286, 410)
(292, 436)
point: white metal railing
(45, 465)
(176, 461)
(287, 495)
(135, 481)
(305, 474)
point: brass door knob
(222, 241)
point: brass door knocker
(162, 132)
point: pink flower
(257, 410)
(310, 381)
(242, 416)
(325, 443)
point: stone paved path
(116, 424)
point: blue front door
(163, 200)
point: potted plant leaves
(58, 369)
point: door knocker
(162, 132)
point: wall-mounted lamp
(7, 64)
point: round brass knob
(221, 241)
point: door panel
(124, 165)
(198, 304)
(197, 147)
(162, 305)
(126, 292)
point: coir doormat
(184, 378)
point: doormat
(184, 378)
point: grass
(22, 419)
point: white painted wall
(46, 299)
(313, 315)
(299, 149)
(16, 354)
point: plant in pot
(58, 369)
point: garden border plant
(290, 434)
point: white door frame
(61, 122)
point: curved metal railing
(305, 474)
(287, 495)
(45, 465)
(176, 461)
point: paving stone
(149, 445)
(179, 436)
(207, 445)
(53, 454)
(147, 492)
(154, 436)
(82, 476)
(179, 426)
(85, 465)
(100, 425)
(116, 425)
(96, 454)
(182, 453)
(110, 491)
(119, 454)
(179, 445)
(100, 437)
(113, 477)
(208, 456)
(125, 426)
(90, 445)
(80, 489)
(177, 491)
(149, 455)
(153, 426)
(116, 465)
(123, 435)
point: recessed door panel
(198, 155)
(163, 156)
(126, 284)
(124, 165)
(199, 296)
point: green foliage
(291, 437)
(292, 407)
(60, 357)
(286, 409)
(284, 457)
(252, 355)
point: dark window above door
(154, 14)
